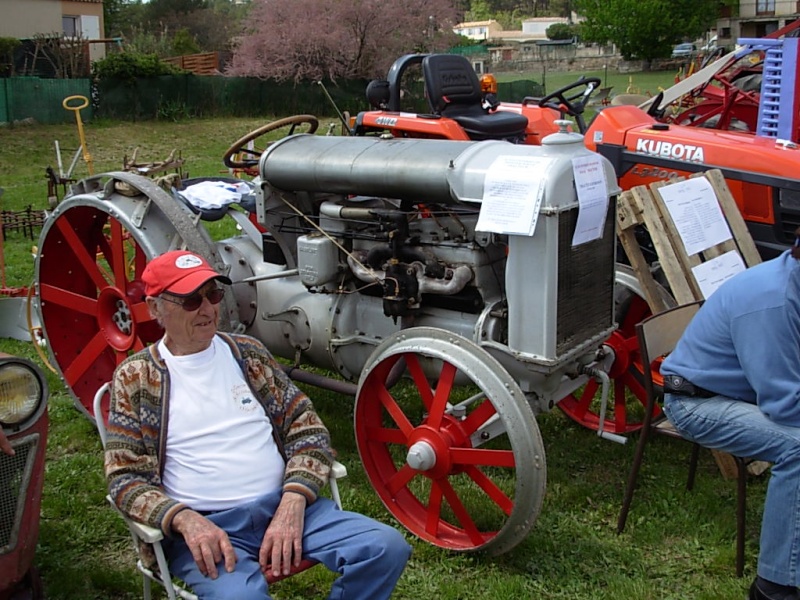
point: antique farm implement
(363, 256)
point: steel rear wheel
(452, 449)
(92, 251)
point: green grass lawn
(648, 82)
(678, 545)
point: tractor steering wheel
(572, 104)
(239, 148)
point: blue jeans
(369, 555)
(742, 429)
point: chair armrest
(338, 470)
(147, 534)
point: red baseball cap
(178, 272)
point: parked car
(710, 46)
(684, 50)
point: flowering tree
(314, 39)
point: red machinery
(23, 417)
(643, 145)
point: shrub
(128, 66)
(560, 31)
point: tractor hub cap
(115, 319)
(421, 456)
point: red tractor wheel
(92, 250)
(626, 402)
(449, 442)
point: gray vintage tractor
(360, 255)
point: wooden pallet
(645, 206)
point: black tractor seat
(454, 91)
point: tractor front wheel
(449, 441)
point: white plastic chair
(150, 535)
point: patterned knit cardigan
(137, 426)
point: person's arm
(132, 468)
(282, 546)
(5, 445)
(306, 440)
(207, 542)
(768, 347)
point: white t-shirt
(219, 449)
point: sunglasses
(193, 301)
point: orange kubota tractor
(710, 120)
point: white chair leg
(335, 493)
(164, 569)
(146, 589)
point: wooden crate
(645, 206)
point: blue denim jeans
(742, 429)
(369, 555)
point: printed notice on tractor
(590, 183)
(716, 271)
(512, 194)
(694, 209)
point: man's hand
(208, 543)
(282, 546)
(5, 445)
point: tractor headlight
(23, 392)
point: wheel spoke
(497, 495)
(620, 406)
(434, 510)
(483, 456)
(85, 360)
(86, 260)
(117, 259)
(418, 375)
(460, 511)
(478, 417)
(443, 389)
(400, 479)
(587, 397)
(141, 313)
(385, 435)
(66, 298)
(394, 410)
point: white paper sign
(512, 194)
(694, 209)
(716, 271)
(590, 184)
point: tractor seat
(454, 91)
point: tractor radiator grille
(585, 283)
(15, 478)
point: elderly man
(211, 442)
(733, 384)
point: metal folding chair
(657, 336)
(144, 534)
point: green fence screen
(42, 99)
(181, 96)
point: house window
(765, 7)
(71, 25)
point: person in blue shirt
(733, 384)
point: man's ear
(153, 305)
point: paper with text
(512, 194)
(694, 209)
(591, 186)
(716, 271)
